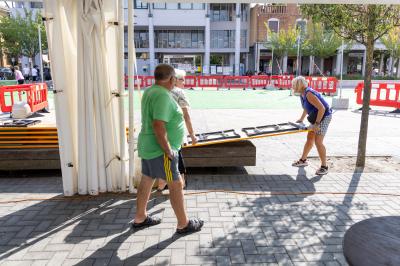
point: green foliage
(392, 42)
(320, 42)
(283, 42)
(351, 21)
(19, 35)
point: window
(223, 39)
(273, 25)
(222, 12)
(243, 13)
(141, 39)
(301, 25)
(172, 6)
(159, 5)
(243, 38)
(36, 5)
(185, 6)
(179, 38)
(198, 6)
(139, 4)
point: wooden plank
(14, 133)
(28, 142)
(27, 137)
(13, 165)
(230, 149)
(220, 161)
(187, 146)
(28, 146)
(29, 154)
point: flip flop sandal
(149, 221)
(194, 225)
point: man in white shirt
(34, 74)
(25, 71)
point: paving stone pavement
(278, 215)
(274, 219)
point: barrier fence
(323, 84)
(34, 94)
(382, 94)
(320, 84)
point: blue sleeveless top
(311, 108)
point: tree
(364, 24)
(19, 35)
(392, 43)
(321, 43)
(283, 43)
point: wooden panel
(241, 153)
(233, 149)
(29, 154)
(13, 165)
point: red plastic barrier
(148, 81)
(34, 94)
(236, 82)
(382, 94)
(190, 82)
(284, 82)
(260, 81)
(138, 81)
(323, 84)
(210, 81)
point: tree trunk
(398, 68)
(311, 66)
(362, 139)
(322, 66)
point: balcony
(273, 9)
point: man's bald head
(164, 72)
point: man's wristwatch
(317, 123)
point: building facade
(283, 17)
(197, 37)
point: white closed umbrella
(96, 123)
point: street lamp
(298, 69)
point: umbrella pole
(122, 131)
(131, 63)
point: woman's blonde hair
(299, 83)
(180, 74)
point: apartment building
(197, 37)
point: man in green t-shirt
(159, 141)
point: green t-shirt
(158, 104)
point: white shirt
(34, 72)
(179, 95)
(26, 71)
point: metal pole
(40, 54)
(298, 56)
(272, 60)
(341, 69)
(121, 184)
(131, 73)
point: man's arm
(161, 136)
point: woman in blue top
(319, 115)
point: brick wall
(287, 15)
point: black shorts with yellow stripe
(162, 167)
